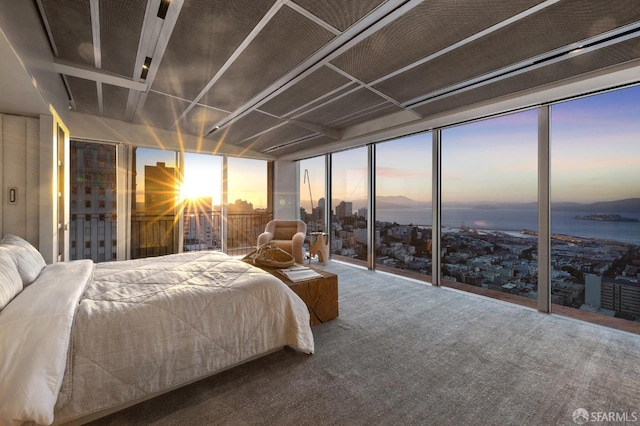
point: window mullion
(544, 212)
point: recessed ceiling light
(162, 10)
(145, 68)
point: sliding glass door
(202, 195)
(93, 210)
(248, 202)
(155, 203)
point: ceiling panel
(580, 64)
(348, 105)
(205, 36)
(283, 43)
(424, 30)
(321, 101)
(160, 110)
(120, 24)
(317, 84)
(85, 95)
(311, 143)
(274, 73)
(115, 101)
(277, 136)
(70, 23)
(521, 40)
(250, 125)
(198, 121)
(366, 115)
(339, 14)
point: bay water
(562, 222)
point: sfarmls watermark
(582, 416)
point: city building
(344, 209)
(160, 190)
(93, 207)
(201, 225)
(614, 296)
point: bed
(79, 340)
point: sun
(196, 185)
(202, 178)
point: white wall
(20, 162)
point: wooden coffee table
(319, 294)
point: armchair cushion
(288, 235)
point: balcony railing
(153, 235)
(158, 235)
(93, 236)
(243, 230)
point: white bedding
(143, 327)
(35, 329)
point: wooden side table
(319, 245)
(319, 294)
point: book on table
(299, 273)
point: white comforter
(142, 327)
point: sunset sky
(595, 147)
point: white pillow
(10, 281)
(27, 258)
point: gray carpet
(402, 352)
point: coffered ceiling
(285, 76)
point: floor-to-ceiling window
(93, 218)
(489, 216)
(248, 197)
(349, 203)
(154, 203)
(595, 209)
(403, 203)
(202, 194)
(489, 204)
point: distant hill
(391, 202)
(629, 205)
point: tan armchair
(288, 235)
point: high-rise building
(344, 209)
(93, 208)
(200, 225)
(160, 193)
(620, 295)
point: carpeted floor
(406, 353)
